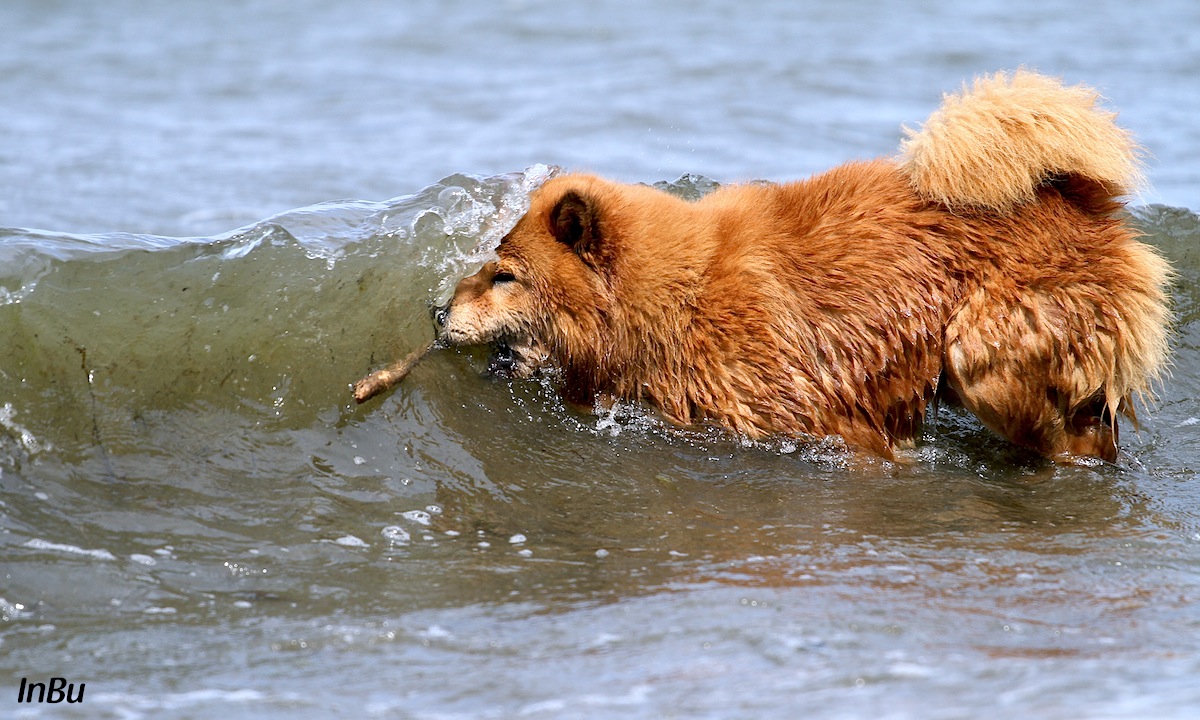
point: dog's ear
(575, 222)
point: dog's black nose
(440, 315)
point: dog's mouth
(514, 355)
(516, 358)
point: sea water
(220, 215)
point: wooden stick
(390, 376)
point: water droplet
(396, 534)
(418, 516)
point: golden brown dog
(990, 260)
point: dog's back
(990, 257)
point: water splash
(27, 440)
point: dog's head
(545, 297)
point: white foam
(396, 535)
(10, 611)
(420, 517)
(27, 439)
(39, 544)
(204, 698)
(13, 297)
(351, 541)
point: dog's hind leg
(1031, 365)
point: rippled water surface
(197, 522)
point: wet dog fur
(989, 262)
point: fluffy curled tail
(993, 145)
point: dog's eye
(503, 277)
